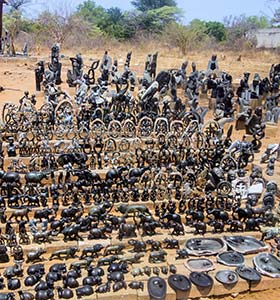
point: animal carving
(132, 210)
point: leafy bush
(216, 30)
(184, 37)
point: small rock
(234, 295)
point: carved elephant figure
(127, 230)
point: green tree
(130, 24)
(155, 20)
(29, 26)
(115, 26)
(198, 30)
(154, 15)
(115, 14)
(111, 22)
(92, 13)
(256, 22)
(216, 30)
(150, 16)
(145, 5)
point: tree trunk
(1, 23)
(13, 49)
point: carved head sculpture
(218, 173)
(258, 111)
(256, 79)
(271, 187)
(232, 175)
(247, 75)
(241, 173)
(214, 57)
(256, 172)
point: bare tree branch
(18, 4)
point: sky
(208, 10)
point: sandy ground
(263, 295)
(18, 73)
